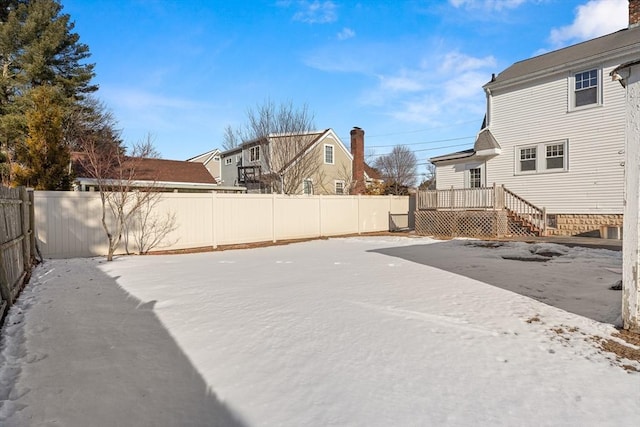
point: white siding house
(554, 134)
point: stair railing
(525, 211)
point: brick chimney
(357, 151)
(634, 13)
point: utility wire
(423, 142)
(423, 149)
(421, 130)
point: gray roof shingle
(558, 59)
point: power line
(423, 142)
(424, 149)
(438, 148)
(422, 130)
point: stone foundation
(581, 224)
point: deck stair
(524, 217)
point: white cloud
(438, 88)
(315, 12)
(456, 61)
(593, 19)
(403, 82)
(346, 33)
(489, 5)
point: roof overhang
(453, 157)
(486, 146)
(150, 184)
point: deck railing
(496, 197)
(461, 199)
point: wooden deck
(524, 217)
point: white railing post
(452, 197)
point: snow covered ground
(370, 331)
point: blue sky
(407, 72)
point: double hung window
(586, 90)
(307, 187)
(543, 157)
(254, 153)
(328, 154)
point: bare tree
(398, 168)
(231, 138)
(114, 175)
(282, 133)
(343, 174)
(429, 181)
(147, 228)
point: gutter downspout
(487, 91)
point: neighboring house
(554, 134)
(372, 176)
(305, 163)
(211, 161)
(163, 175)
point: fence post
(544, 221)
(273, 217)
(319, 214)
(24, 222)
(5, 286)
(214, 219)
(32, 223)
(359, 220)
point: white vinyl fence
(68, 223)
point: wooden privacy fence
(17, 242)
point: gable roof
(205, 157)
(231, 151)
(320, 136)
(372, 173)
(314, 140)
(158, 170)
(617, 43)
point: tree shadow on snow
(105, 359)
(553, 283)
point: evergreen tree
(43, 160)
(37, 48)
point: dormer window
(586, 88)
